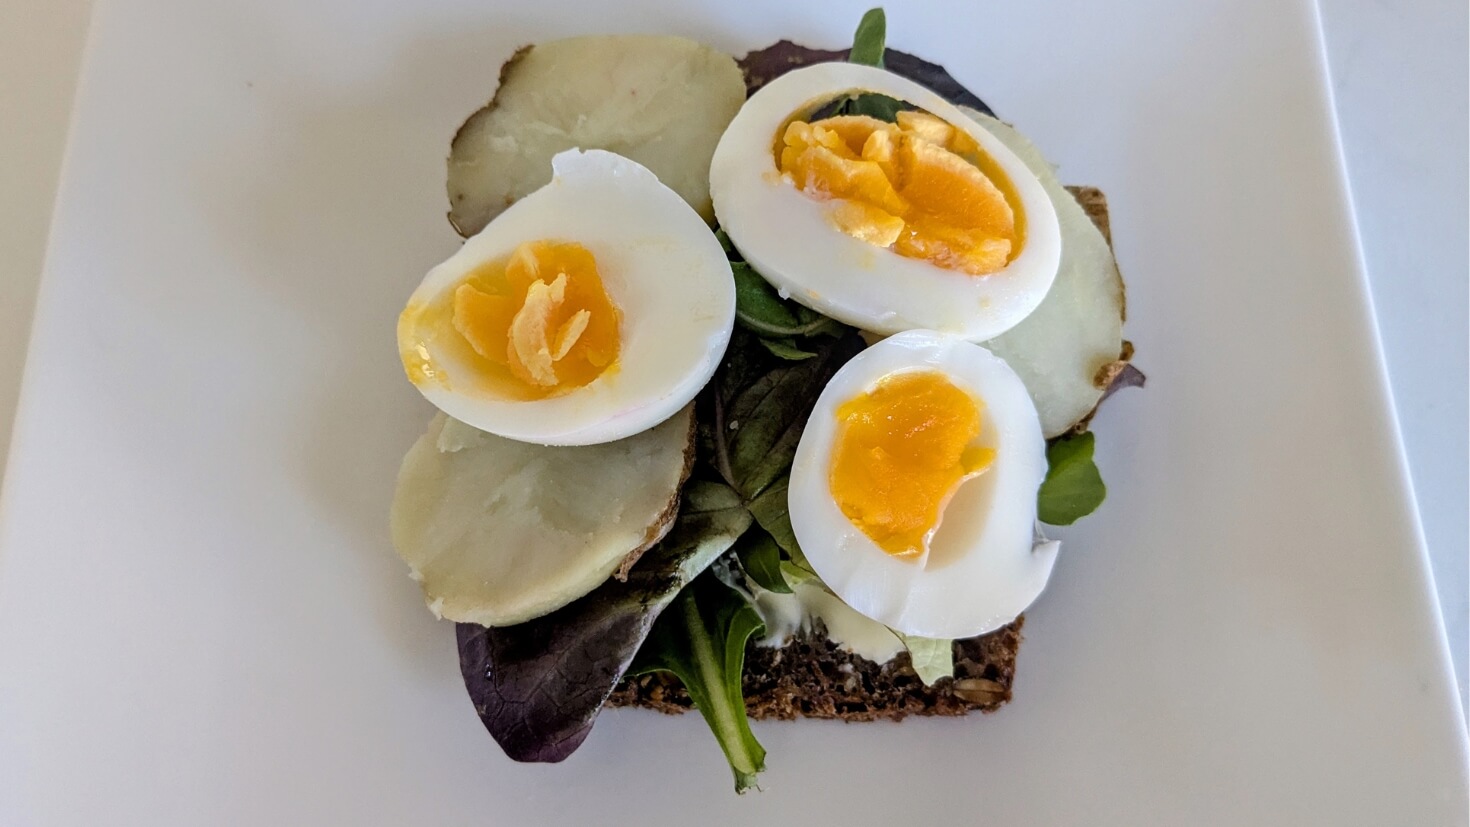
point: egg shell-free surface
(790, 240)
(980, 570)
(661, 266)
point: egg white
(788, 238)
(660, 265)
(981, 569)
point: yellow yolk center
(919, 187)
(535, 325)
(901, 451)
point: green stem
(723, 719)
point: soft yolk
(919, 187)
(902, 449)
(536, 325)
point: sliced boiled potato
(661, 101)
(498, 532)
(1068, 349)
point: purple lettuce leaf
(538, 686)
(765, 65)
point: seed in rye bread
(978, 690)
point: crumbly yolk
(901, 451)
(536, 325)
(919, 187)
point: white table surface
(1399, 76)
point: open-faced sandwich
(757, 381)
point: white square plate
(201, 619)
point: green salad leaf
(867, 49)
(771, 513)
(1073, 488)
(759, 407)
(798, 572)
(786, 349)
(761, 310)
(745, 361)
(874, 105)
(779, 322)
(702, 639)
(761, 558)
(724, 239)
(868, 40)
(932, 658)
(757, 307)
(757, 428)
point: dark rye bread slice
(811, 677)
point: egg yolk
(919, 187)
(536, 325)
(901, 451)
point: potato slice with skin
(498, 532)
(1064, 350)
(661, 101)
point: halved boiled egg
(590, 310)
(927, 222)
(913, 491)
